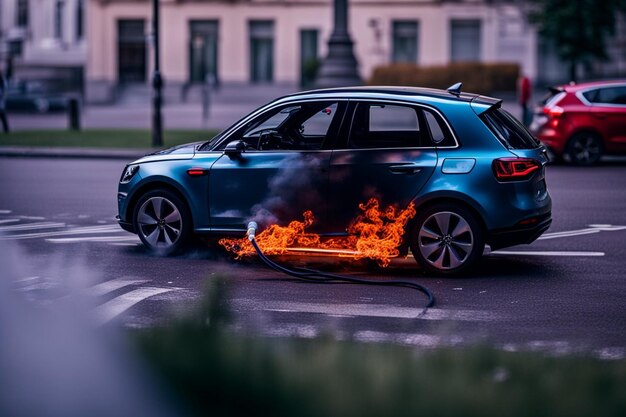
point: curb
(60, 152)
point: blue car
(474, 173)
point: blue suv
(475, 175)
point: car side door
(609, 108)
(385, 153)
(281, 169)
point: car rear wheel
(446, 239)
(162, 221)
(584, 148)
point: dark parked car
(473, 172)
(29, 96)
(582, 122)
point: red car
(581, 122)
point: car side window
(439, 132)
(305, 126)
(377, 125)
(607, 95)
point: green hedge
(477, 77)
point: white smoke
(54, 360)
(291, 191)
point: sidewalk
(228, 104)
(83, 153)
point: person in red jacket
(524, 93)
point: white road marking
(102, 239)
(31, 226)
(113, 308)
(32, 217)
(9, 221)
(124, 244)
(592, 229)
(76, 231)
(546, 253)
(6, 211)
(113, 285)
(416, 339)
(366, 310)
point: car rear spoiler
(556, 90)
(481, 104)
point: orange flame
(375, 234)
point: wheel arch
(441, 198)
(585, 129)
(453, 199)
(156, 184)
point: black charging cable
(313, 275)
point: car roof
(574, 87)
(382, 92)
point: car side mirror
(235, 148)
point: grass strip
(101, 138)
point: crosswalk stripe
(31, 226)
(113, 308)
(94, 239)
(76, 231)
(113, 285)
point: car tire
(584, 149)
(162, 221)
(446, 239)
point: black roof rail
(455, 89)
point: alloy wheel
(585, 150)
(445, 240)
(159, 222)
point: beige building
(44, 39)
(279, 41)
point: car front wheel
(162, 221)
(446, 239)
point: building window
(21, 16)
(465, 40)
(309, 56)
(261, 50)
(203, 50)
(59, 7)
(405, 41)
(80, 11)
(131, 51)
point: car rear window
(509, 131)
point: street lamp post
(340, 67)
(157, 81)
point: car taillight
(514, 169)
(554, 113)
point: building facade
(280, 41)
(44, 40)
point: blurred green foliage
(213, 370)
(578, 28)
(477, 77)
(102, 138)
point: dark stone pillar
(339, 68)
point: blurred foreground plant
(217, 371)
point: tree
(578, 28)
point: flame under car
(471, 173)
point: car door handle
(600, 115)
(406, 169)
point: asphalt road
(561, 294)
